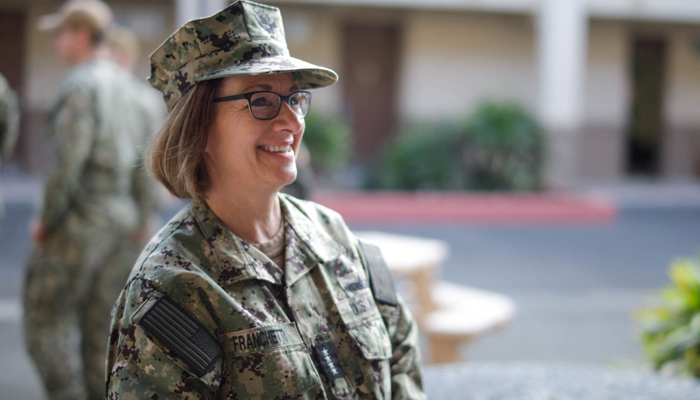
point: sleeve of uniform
(406, 374)
(9, 120)
(405, 362)
(73, 129)
(141, 367)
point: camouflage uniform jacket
(94, 134)
(205, 315)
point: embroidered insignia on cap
(379, 276)
(183, 334)
(327, 356)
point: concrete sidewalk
(634, 193)
(19, 187)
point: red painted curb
(501, 208)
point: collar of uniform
(306, 243)
(235, 258)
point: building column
(562, 38)
(187, 10)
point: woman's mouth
(276, 149)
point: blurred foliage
(499, 147)
(503, 148)
(424, 157)
(329, 142)
(671, 332)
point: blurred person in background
(91, 206)
(9, 124)
(248, 293)
(124, 48)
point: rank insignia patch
(327, 356)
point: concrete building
(616, 83)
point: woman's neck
(254, 217)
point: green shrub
(329, 142)
(422, 158)
(499, 147)
(503, 148)
(671, 332)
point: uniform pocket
(372, 338)
(268, 362)
(359, 307)
(364, 322)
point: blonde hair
(175, 154)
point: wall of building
(608, 91)
(451, 61)
(606, 106)
(43, 75)
(454, 61)
(484, 57)
(681, 140)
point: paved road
(575, 286)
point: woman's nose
(289, 119)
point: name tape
(262, 339)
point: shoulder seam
(155, 247)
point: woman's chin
(285, 178)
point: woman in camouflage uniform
(248, 293)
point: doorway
(644, 138)
(371, 65)
(12, 46)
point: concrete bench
(463, 314)
(450, 315)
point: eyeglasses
(266, 105)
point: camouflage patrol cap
(246, 38)
(93, 13)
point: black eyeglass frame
(249, 95)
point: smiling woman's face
(248, 153)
